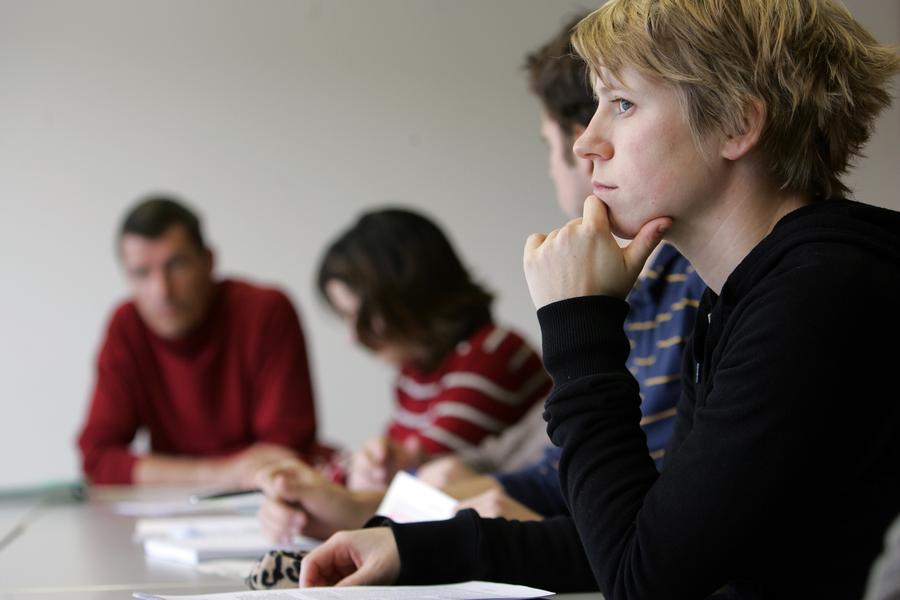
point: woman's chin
(627, 229)
(623, 230)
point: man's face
(170, 279)
(571, 175)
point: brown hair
(559, 77)
(821, 76)
(152, 216)
(408, 277)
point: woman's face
(346, 302)
(645, 161)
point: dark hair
(154, 215)
(560, 78)
(407, 275)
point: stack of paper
(211, 547)
(197, 539)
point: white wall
(280, 121)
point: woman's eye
(623, 105)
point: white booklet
(182, 527)
(471, 590)
(409, 500)
(194, 550)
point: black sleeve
(545, 554)
(536, 486)
(753, 478)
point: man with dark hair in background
(215, 371)
(663, 306)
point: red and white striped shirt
(485, 385)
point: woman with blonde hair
(724, 127)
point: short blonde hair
(822, 77)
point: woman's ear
(752, 124)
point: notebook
(194, 550)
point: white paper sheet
(472, 590)
(409, 500)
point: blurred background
(279, 121)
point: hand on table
(299, 500)
(364, 557)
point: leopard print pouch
(277, 569)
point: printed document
(472, 590)
(409, 500)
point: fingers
(596, 215)
(260, 457)
(534, 241)
(371, 461)
(647, 239)
(263, 480)
(374, 555)
(364, 576)
(366, 472)
(413, 453)
(363, 462)
(291, 491)
(365, 557)
(318, 567)
(412, 445)
(330, 563)
(277, 480)
(377, 451)
(279, 522)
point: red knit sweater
(240, 377)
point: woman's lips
(601, 188)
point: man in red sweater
(215, 371)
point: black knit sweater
(784, 469)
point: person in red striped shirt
(403, 292)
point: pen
(197, 498)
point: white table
(81, 550)
(84, 550)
